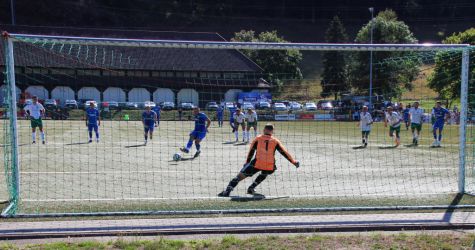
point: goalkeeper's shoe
(225, 193)
(251, 191)
(197, 154)
(184, 150)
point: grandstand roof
(119, 57)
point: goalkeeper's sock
(258, 181)
(33, 136)
(42, 135)
(189, 144)
(232, 184)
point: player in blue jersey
(406, 116)
(93, 121)
(220, 115)
(439, 116)
(202, 123)
(149, 119)
(158, 110)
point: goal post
(67, 176)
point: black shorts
(249, 170)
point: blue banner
(254, 97)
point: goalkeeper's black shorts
(249, 169)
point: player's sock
(90, 135)
(237, 135)
(258, 181)
(97, 135)
(33, 136)
(255, 133)
(243, 135)
(189, 144)
(198, 146)
(145, 137)
(42, 135)
(232, 184)
(435, 134)
(440, 137)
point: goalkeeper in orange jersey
(264, 147)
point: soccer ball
(176, 157)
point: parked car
(113, 105)
(263, 105)
(186, 105)
(310, 106)
(71, 104)
(325, 105)
(211, 106)
(149, 104)
(247, 105)
(166, 106)
(229, 105)
(87, 103)
(294, 106)
(278, 106)
(50, 104)
(131, 105)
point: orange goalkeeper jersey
(264, 146)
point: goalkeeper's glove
(297, 164)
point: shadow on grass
(136, 146)
(388, 147)
(359, 147)
(241, 144)
(76, 143)
(228, 142)
(449, 212)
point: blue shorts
(198, 135)
(91, 127)
(148, 127)
(438, 125)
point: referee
(264, 147)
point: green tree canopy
(445, 79)
(390, 77)
(279, 64)
(334, 77)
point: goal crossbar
(234, 45)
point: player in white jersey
(365, 124)
(394, 120)
(239, 121)
(416, 118)
(35, 112)
(251, 117)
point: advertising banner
(290, 117)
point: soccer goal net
(95, 125)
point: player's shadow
(410, 145)
(136, 146)
(255, 197)
(229, 142)
(241, 144)
(388, 147)
(359, 147)
(451, 209)
(76, 143)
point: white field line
(218, 171)
(217, 198)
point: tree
(279, 64)
(391, 77)
(334, 77)
(445, 79)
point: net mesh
(120, 173)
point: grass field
(120, 174)
(455, 240)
